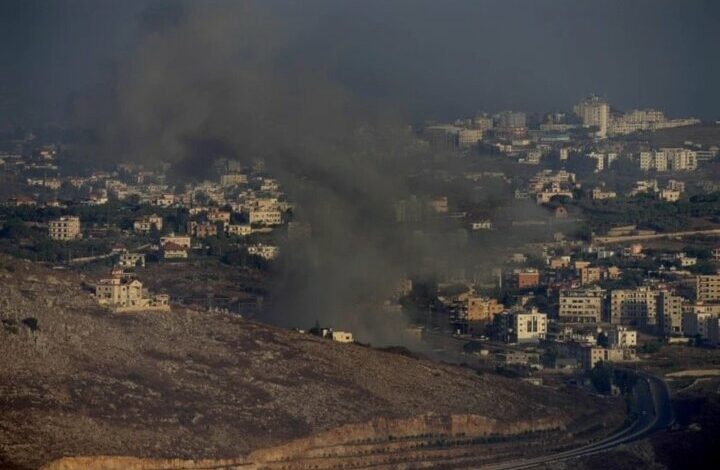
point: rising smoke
(220, 79)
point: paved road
(655, 414)
(632, 238)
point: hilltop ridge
(78, 380)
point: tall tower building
(594, 112)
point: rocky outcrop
(380, 441)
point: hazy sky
(434, 58)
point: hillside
(77, 380)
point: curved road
(655, 414)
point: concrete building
(265, 217)
(65, 228)
(342, 336)
(233, 179)
(131, 260)
(469, 137)
(680, 159)
(520, 327)
(180, 240)
(594, 112)
(268, 252)
(636, 307)
(238, 229)
(591, 355)
(526, 278)
(172, 250)
(511, 120)
(125, 294)
(707, 288)
(599, 194)
(670, 314)
(482, 308)
(620, 337)
(581, 305)
(202, 229)
(147, 223)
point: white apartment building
(530, 326)
(65, 228)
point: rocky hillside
(77, 380)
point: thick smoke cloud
(220, 80)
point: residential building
(599, 194)
(526, 278)
(238, 229)
(482, 308)
(519, 326)
(581, 305)
(126, 294)
(268, 252)
(148, 223)
(670, 195)
(591, 355)
(620, 337)
(670, 314)
(65, 228)
(529, 326)
(342, 336)
(180, 240)
(202, 229)
(636, 307)
(265, 217)
(131, 260)
(233, 179)
(594, 112)
(707, 288)
(172, 250)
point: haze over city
(338, 234)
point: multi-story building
(124, 294)
(265, 217)
(529, 326)
(147, 223)
(202, 229)
(670, 313)
(680, 159)
(511, 120)
(620, 337)
(636, 307)
(707, 288)
(594, 112)
(591, 355)
(482, 308)
(519, 326)
(65, 228)
(233, 179)
(526, 278)
(581, 305)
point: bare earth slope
(79, 380)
